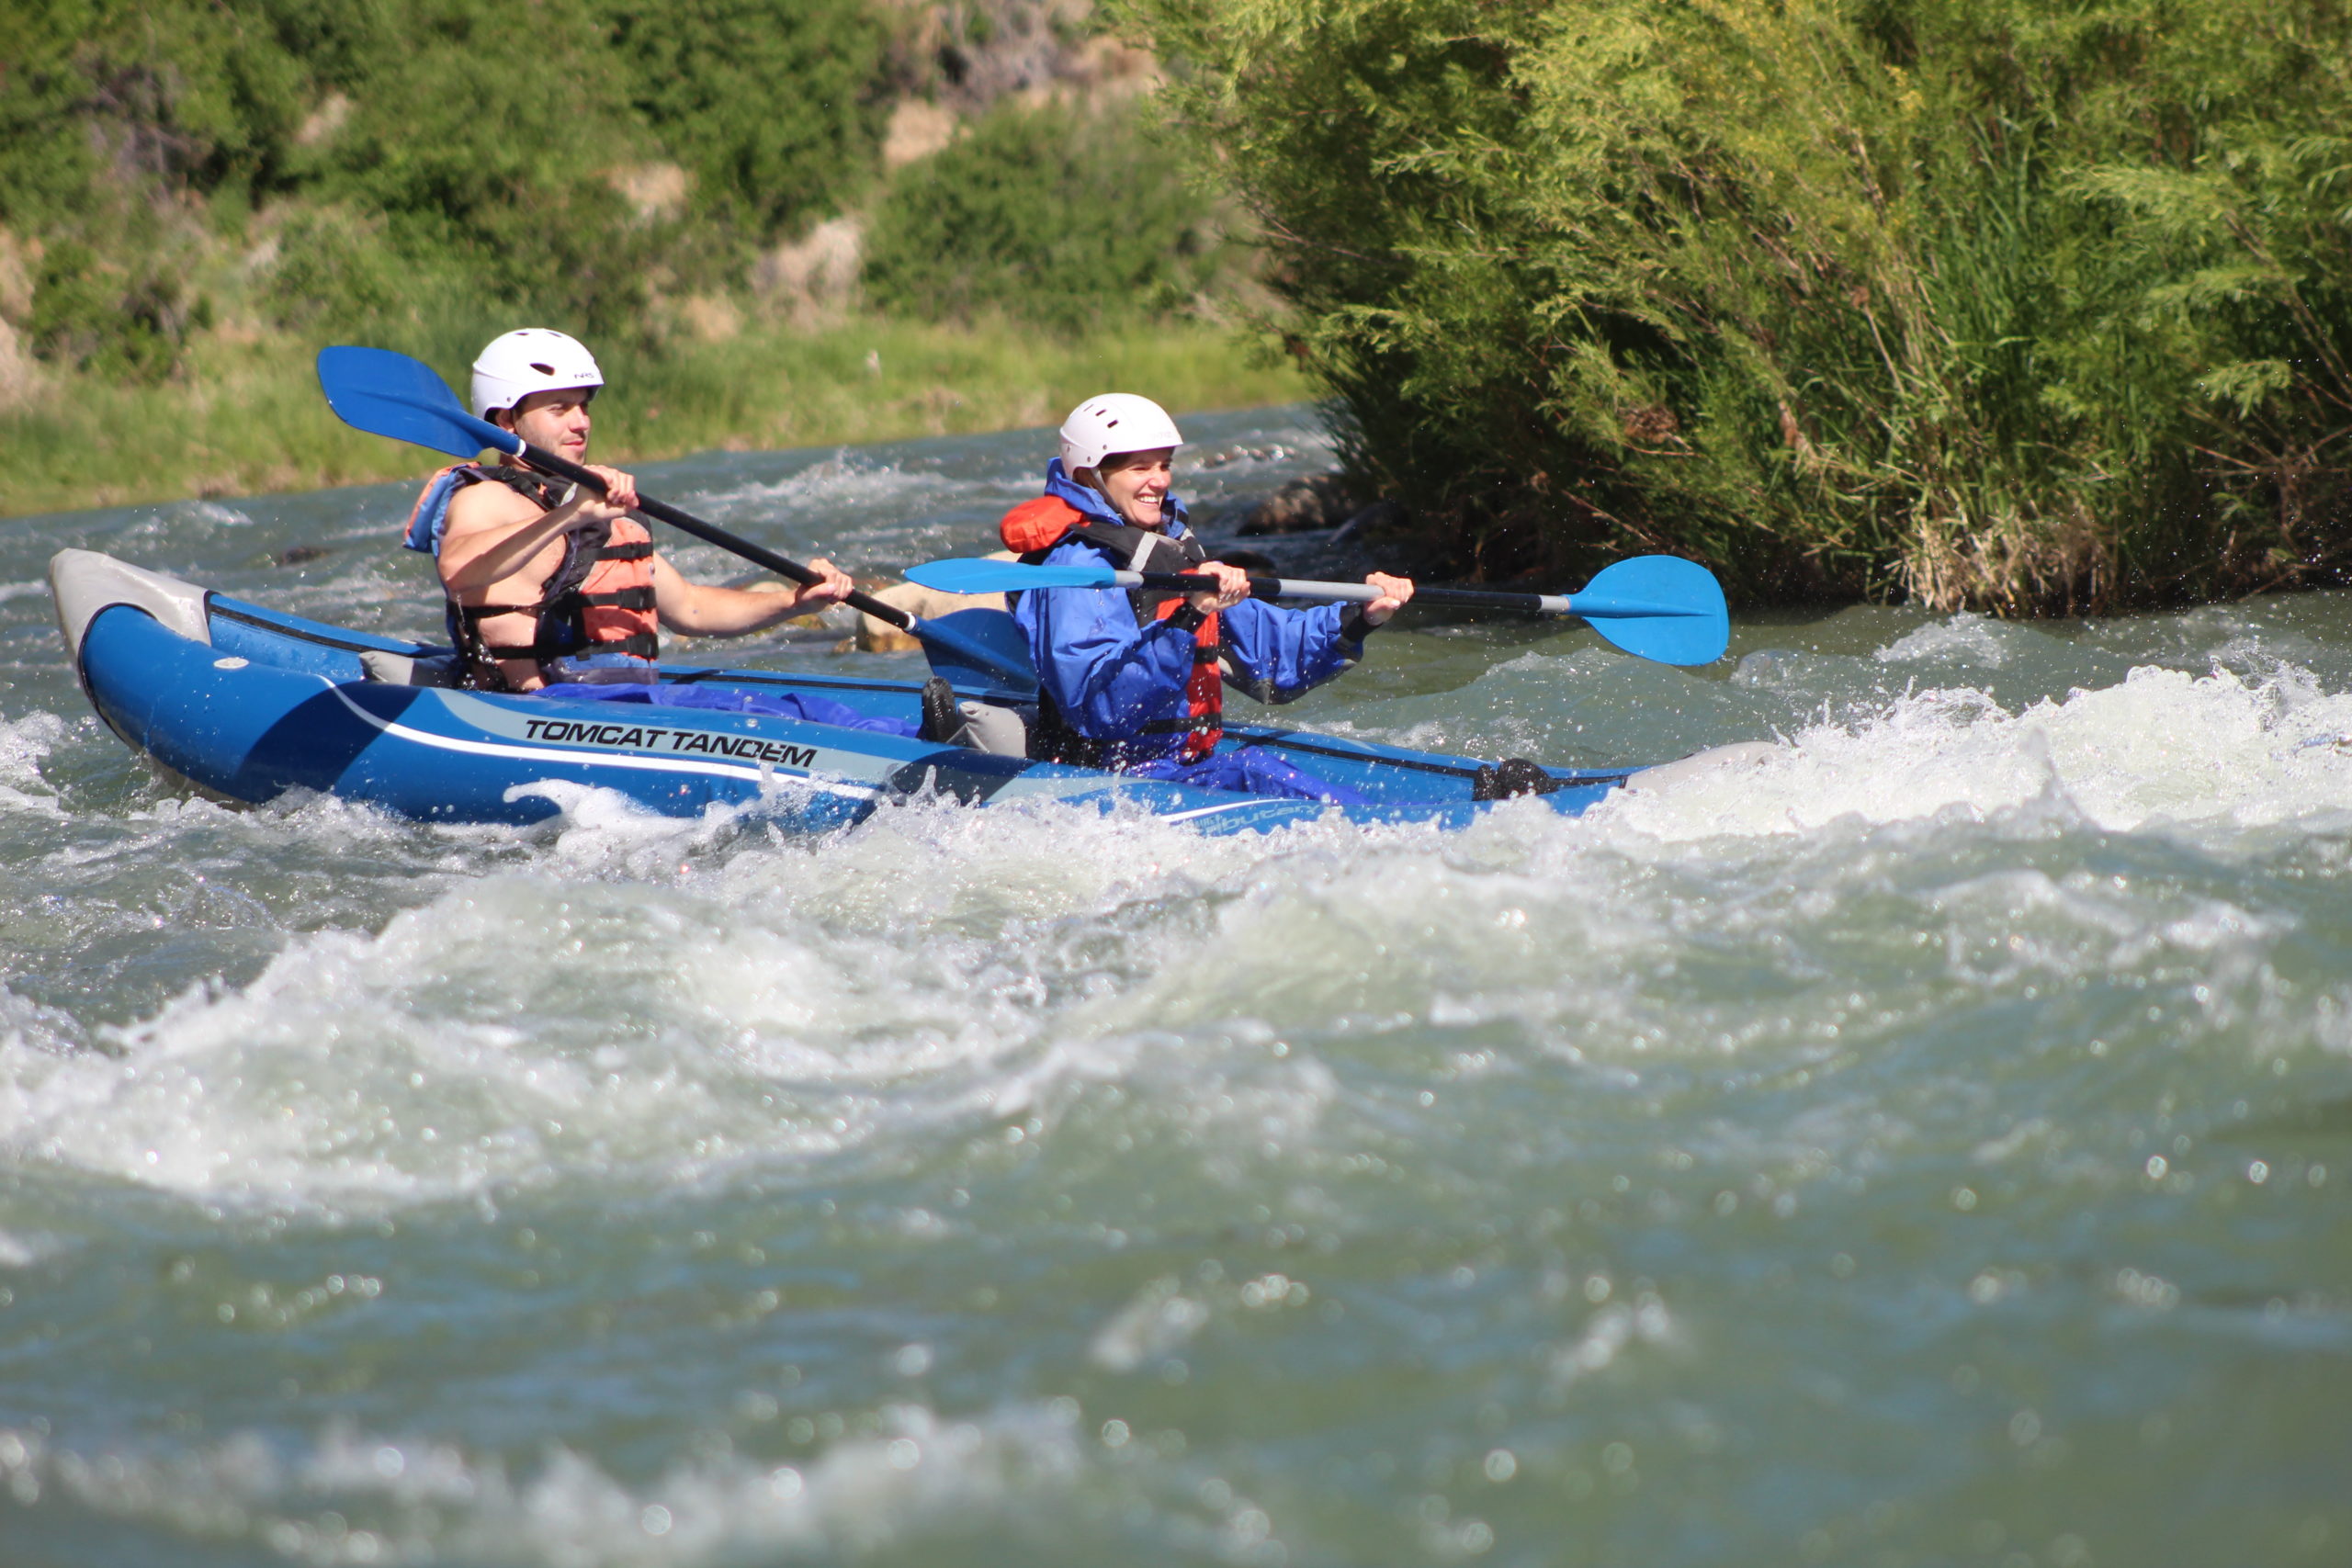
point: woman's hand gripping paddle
(1659, 607)
(386, 393)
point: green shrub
(108, 113)
(480, 162)
(1979, 302)
(1046, 215)
(477, 158)
(775, 105)
(170, 95)
(97, 316)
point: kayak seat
(989, 726)
(405, 669)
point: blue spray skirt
(248, 702)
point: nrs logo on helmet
(533, 359)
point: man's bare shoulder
(486, 505)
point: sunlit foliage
(1985, 302)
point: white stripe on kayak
(673, 765)
(596, 759)
(1213, 810)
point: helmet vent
(543, 369)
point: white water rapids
(1927, 1144)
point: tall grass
(1979, 302)
(248, 417)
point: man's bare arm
(706, 610)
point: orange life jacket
(598, 600)
(1036, 527)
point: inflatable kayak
(251, 704)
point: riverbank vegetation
(1979, 303)
(778, 221)
(1974, 303)
(242, 418)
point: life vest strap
(619, 599)
(639, 645)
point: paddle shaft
(1364, 594)
(394, 395)
(548, 462)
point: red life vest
(1036, 527)
(598, 600)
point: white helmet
(1114, 421)
(535, 359)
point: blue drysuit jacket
(1109, 677)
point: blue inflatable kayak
(249, 704)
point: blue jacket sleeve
(1280, 654)
(1107, 675)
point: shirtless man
(549, 583)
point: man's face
(1136, 484)
(556, 421)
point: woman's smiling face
(1136, 484)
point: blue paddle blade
(385, 393)
(973, 575)
(1660, 607)
(951, 639)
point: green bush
(107, 93)
(474, 161)
(1043, 214)
(97, 316)
(1982, 302)
(107, 111)
(775, 105)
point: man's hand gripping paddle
(1660, 607)
(386, 393)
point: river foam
(707, 997)
(2163, 751)
(353, 1498)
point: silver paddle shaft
(1587, 605)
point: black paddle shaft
(1273, 588)
(686, 522)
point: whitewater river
(1932, 1145)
